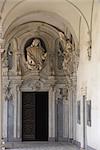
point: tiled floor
(45, 146)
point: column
(15, 110)
(0, 100)
(51, 114)
(4, 87)
(1, 51)
(70, 113)
(19, 113)
(83, 114)
(65, 116)
(74, 113)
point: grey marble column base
(51, 139)
(78, 144)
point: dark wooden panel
(35, 116)
(42, 116)
(28, 116)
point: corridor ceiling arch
(12, 10)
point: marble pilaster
(0, 100)
(1, 108)
(65, 118)
(51, 113)
(70, 114)
(18, 112)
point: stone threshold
(13, 145)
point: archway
(57, 75)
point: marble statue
(65, 43)
(68, 47)
(36, 55)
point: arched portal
(45, 61)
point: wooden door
(28, 116)
(42, 116)
(34, 116)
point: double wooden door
(34, 116)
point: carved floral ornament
(8, 93)
(61, 94)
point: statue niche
(35, 55)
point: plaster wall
(89, 84)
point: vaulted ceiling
(55, 12)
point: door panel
(42, 116)
(34, 116)
(28, 116)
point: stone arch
(50, 34)
(61, 23)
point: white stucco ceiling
(21, 11)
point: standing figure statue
(36, 55)
(67, 47)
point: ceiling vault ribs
(12, 9)
(79, 12)
(88, 23)
(3, 6)
(89, 27)
(79, 31)
(91, 24)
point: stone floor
(44, 146)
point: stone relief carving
(7, 57)
(10, 57)
(32, 84)
(8, 93)
(52, 65)
(60, 55)
(68, 49)
(36, 55)
(38, 85)
(4, 60)
(65, 94)
(61, 94)
(18, 64)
